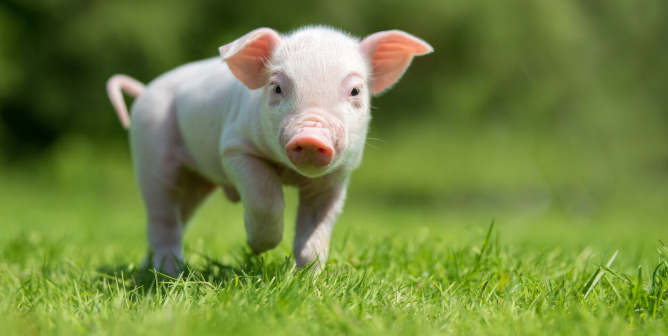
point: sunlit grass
(390, 285)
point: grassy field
(574, 248)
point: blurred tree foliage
(597, 66)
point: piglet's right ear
(246, 56)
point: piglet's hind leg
(171, 193)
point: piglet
(278, 110)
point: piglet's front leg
(261, 193)
(317, 214)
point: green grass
(411, 254)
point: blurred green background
(549, 116)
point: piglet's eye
(355, 92)
(277, 89)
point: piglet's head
(316, 85)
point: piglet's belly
(212, 171)
(200, 138)
(205, 159)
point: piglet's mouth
(311, 147)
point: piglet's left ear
(390, 53)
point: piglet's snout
(311, 146)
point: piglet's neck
(258, 134)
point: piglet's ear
(246, 56)
(390, 52)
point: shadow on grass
(247, 269)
